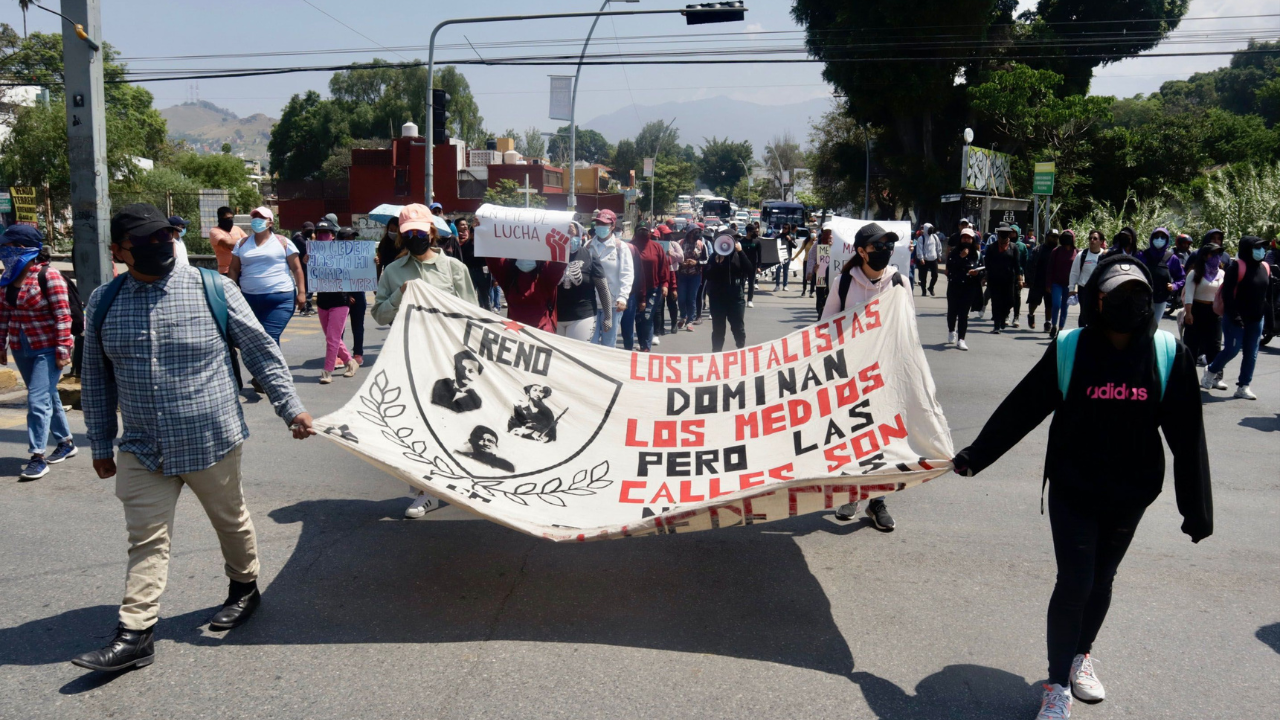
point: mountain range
(720, 117)
(205, 127)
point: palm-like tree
(24, 4)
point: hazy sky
(511, 96)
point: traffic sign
(1042, 182)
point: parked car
(742, 217)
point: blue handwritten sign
(341, 266)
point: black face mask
(417, 245)
(1126, 312)
(879, 259)
(225, 224)
(153, 258)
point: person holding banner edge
(866, 275)
(1110, 373)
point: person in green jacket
(424, 262)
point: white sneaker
(750, 304)
(1085, 685)
(420, 506)
(657, 341)
(1056, 703)
(962, 346)
(1212, 381)
(351, 368)
(326, 377)
(951, 338)
(982, 314)
(1244, 393)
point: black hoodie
(1245, 299)
(1087, 464)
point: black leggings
(357, 323)
(958, 313)
(1089, 544)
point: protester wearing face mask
(962, 283)
(475, 265)
(1061, 264)
(531, 288)
(1004, 276)
(1244, 300)
(1086, 260)
(1125, 242)
(615, 261)
(334, 308)
(154, 348)
(727, 274)
(675, 257)
(1097, 497)
(751, 246)
(179, 246)
(649, 289)
(299, 240)
(866, 275)
(389, 247)
(1158, 258)
(583, 292)
(35, 323)
(1201, 326)
(1039, 289)
(225, 238)
(268, 269)
(689, 276)
(425, 262)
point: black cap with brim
(872, 232)
(1117, 274)
(138, 220)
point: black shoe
(880, 516)
(995, 331)
(1053, 332)
(846, 512)
(242, 600)
(129, 649)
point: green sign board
(1042, 182)
(6, 204)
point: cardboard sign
(522, 233)
(571, 441)
(24, 206)
(821, 262)
(342, 265)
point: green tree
(226, 148)
(838, 160)
(625, 158)
(508, 194)
(590, 147)
(308, 131)
(723, 163)
(782, 154)
(221, 172)
(671, 177)
(658, 140)
(535, 146)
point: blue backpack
(213, 295)
(1166, 349)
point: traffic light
(716, 12)
(439, 116)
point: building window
(470, 187)
(552, 179)
(402, 182)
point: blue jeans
(1058, 313)
(495, 294)
(687, 290)
(780, 275)
(629, 323)
(273, 311)
(643, 320)
(44, 406)
(1234, 339)
(607, 338)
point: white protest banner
(522, 233)
(571, 441)
(341, 265)
(844, 229)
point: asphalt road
(368, 615)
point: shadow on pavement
(360, 574)
(1265, 424)
(956, 691)
(1270, 635)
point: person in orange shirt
(225, 238)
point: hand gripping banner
(571, 442)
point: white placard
(844, 229)
(561, 97)
(522, 233)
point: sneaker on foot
(1015, 324)
(1053, 332)
(1201, 362)
(1243, 392)
(359, 359)
(326, 377)
(962, 346)
(982, 314)
(351, 368)
(35, 469)
(1085, 685)
(880, 516)
(750, 304)
(657, 340)
(1055, 704)
(67, 449)
(952, 337)
(995, 331)
(420, 506)
(846, 512)
(1218, 384)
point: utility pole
(87, 144)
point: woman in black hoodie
(962, 284)
(1099, 491)
(1244, 300)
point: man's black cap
(177, 221)
(308, 226)
(872, 232)
(1004, 227)
(322, 225)
(138, 220)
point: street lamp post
(719, 14)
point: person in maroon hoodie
(652, 283)
(1060, 280)
(530, 287)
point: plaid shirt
(45, 322)
(169, 369)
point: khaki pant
(150, 500)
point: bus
(719, 208)
(777, 213)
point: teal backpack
(213, 295)
(1166, 349)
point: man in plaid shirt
(161, 357)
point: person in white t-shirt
(179, 247)
(268, 270)
(1084, 263)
